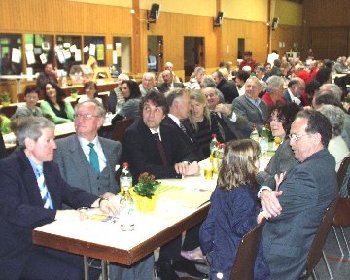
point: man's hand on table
(270, 203)
(186, 169)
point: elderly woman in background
(90, 90)
(202, 123)
(54, 106)
(337, 146)
(31, 97)
(132, 97)
(281, 119)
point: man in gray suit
(250, 106)
(304, 193)
(73, 158)
(72, 153)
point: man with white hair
(169, 66)
(295, 89)
(148, 83)
(274, 91)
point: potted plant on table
(145, 192)
(5, 98)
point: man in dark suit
(155, 147)
(141, 147)
(32, 194)
(296, 88)
(228, 89)
(231, 125)
(304, 193)
(179, 104)
(250, 106)
(168, 82)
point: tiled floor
(340, 266)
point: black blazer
(188, 138)
(22, 208)
(141, 152)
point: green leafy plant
(5, 97)
(147, 185)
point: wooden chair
(119, 129)
(340, 217)
(316, 249)
(243, 267)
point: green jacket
(47, 110)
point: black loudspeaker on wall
(154, 13)
(218, 19)
(274, 23)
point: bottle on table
(220, 154)
(214, 145)
(127, 204)
(264, 140)
(254, 135)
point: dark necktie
(183, 128)
(44, 192)
(93, 159)
(160, 149)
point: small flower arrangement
(147, 185)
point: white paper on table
(92, 49)
(115, 57)
(77, 55)
(28, 47)
(73, 48)
(86, 49)
(43, 58)
(30, 57)
(16, 55)
(67, 54)
(66, 45)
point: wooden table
(182, 203)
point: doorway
(194, 54)
(240, 47)
(155, 53)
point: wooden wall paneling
(254, 33)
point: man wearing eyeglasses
(295, 210)
(86, 166)
(93, 173)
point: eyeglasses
(86, 116)
(295, 137)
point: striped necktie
(44, 192)
(93, 159)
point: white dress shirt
(98, 149)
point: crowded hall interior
(168, 140)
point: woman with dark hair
(324, 76)
(54, 106)
(90, 90)
(233, 210)
(281, 118)
(31, 96)
(132, 96)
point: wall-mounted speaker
(274, 23)
(218, 19)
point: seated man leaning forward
(32, 194)
(302, 196)
(154, 147)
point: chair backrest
(343, 168)
(341, 215)
(243, 266)
(119, 128)
(316, 248)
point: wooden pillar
(218, 31)
(136, 38)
